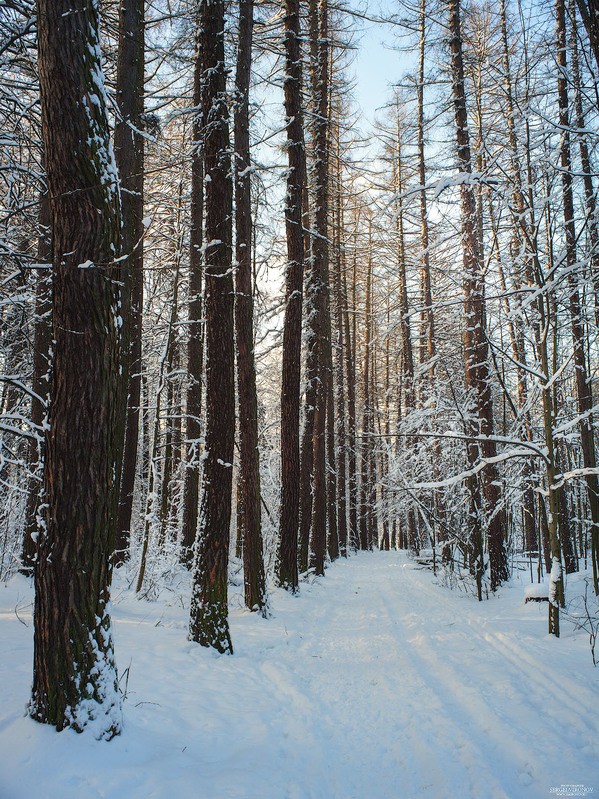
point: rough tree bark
(209, 623)
(287, 563)
(477, 375)
(319, 294)
(589, 12)
(74, 677)
(195, 342)
(129, 152)
(248, 486)
(590, 198)
(583, 384)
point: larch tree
(129, 152)
(74, 678)
(318, 298)
(476, 353)
(289, 512)
(195, 341)
(584, 391)
(209, 623)
(248, 485)
(589, 12)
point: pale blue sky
(377, 66)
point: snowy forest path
(373, 683)
(425, 690)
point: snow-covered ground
(373, 683)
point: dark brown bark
(289, 513)
(428, 347)
(74, 678)
(522, 258)
(307, 448)
(209, 624)
(129, 153)
(319, 317)
(248, 486)
(590, 197)
(583, 384)
(195, 342)
(589, 12)
(477, 376)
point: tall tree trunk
(289, 512)
(209, 624)
(522, 257)
(129, 152)
(74, 673)
(407, 360)
(318, 18)
(589, 12)
(590, 197)
(428, 347)
(477, 375)
(248, 485)
(341, 459)
(195, 342)
(583, 384)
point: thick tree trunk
(289, 512)
(209, 624)
(74, 678)
(248, 486)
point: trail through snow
(373, 683)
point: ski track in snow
(373, 683)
